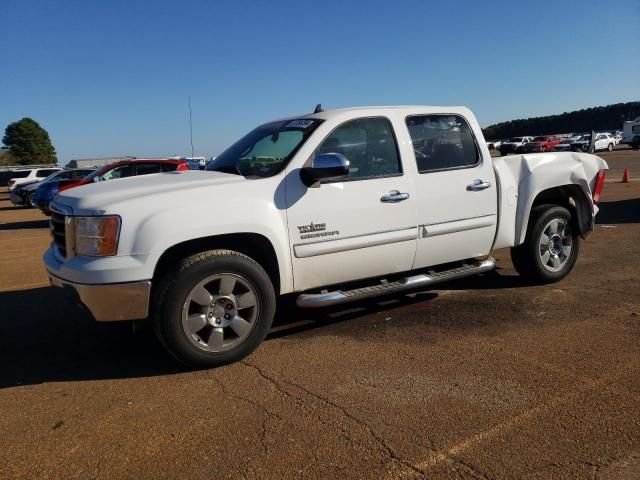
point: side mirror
(323, 167)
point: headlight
(96, 236)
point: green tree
(6, 158)
(610, 117)
(29, 143)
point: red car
(544, 143)
(129, 168)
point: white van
(631, 133)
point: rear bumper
(108, 302)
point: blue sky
(112, 78)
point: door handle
(478, 185)
(394, 197)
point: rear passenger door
(456, 190)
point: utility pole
(190, 127)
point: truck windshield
(266, 150)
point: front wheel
(551, 245)
(610, 147)
(214, 309)
(27, 200)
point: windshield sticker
(300, 123)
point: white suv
(30, 175)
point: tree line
(609, 117)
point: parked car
(604, 141)
(544, 143)
(327, 206)
(7, 175)
(514, 145)
(23, 193)
(30, 174)
(618, 136)
(631, 133)
(565, 145)
(125, 168)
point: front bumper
(15, 198)
(111, 301)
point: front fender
(163, 229)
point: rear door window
(442, 142)
(147, 168)
(118, 172)
(78, 174)
(46, 172)
(169, 167)
(65, 175)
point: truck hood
(95, 197)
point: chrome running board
(314, 300)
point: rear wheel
(216, 308)
(551, 246)
(27, 200)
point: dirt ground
(489, 377)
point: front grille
(58, 232)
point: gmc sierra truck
(332, 207)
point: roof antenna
(318, 108)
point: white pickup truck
(332, 206)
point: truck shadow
(32, 224)
(621, 211)
(12, 207)
(45, 338)
(51, 340)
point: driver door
(359, 226)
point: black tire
(527, 259)
(610, 147)
(26, 200)
(519, 150)
(175, 286)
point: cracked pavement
(484, 378)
